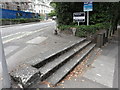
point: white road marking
(102, 64)
(37, 40)
(10, 35)
(98, 75)
(6, 41)
(21, 36)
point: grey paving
(104, 66)
(81, 82)
(101, 74)
(117, 66)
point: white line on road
(11, 35)
(21, 36)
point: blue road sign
(88, 6)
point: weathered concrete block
(25, 75)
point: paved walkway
(100, 76)
(103, 73)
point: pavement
(104, 70)
(22, 42)
(101, 73)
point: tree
(52, 13)
(53, 4)
(107, 12)
(65, 10)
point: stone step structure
(52, 67)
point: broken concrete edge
(34, 61)
(25, 75)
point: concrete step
(30, 72)
(52, 66)
(38, 62)
(65, 69)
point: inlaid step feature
(52, 66)
(41, 61)
(65, 69)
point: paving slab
(104, 65)
(81, 82)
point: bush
(83, 30)
(65, 27)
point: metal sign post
(87, 18)
(78, 23)
(6, 78)
(88, 7)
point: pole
(78, 23)
(6, 78)
(87, 18)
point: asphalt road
(15, 37)
(23, 27)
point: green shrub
(65, 27)
(52, 13)
(20, 20)
(80, 33)
(83, 30)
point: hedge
(83, 30)
(18, 20)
